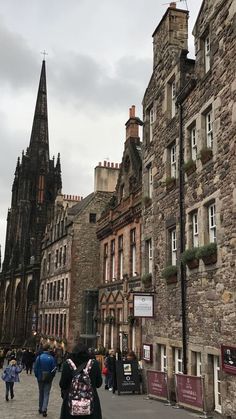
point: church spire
(39, 134)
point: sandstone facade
(189, 146)
(119, 233)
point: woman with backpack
(11, 375)
(80, 378)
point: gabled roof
(78, 208)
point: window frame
(212, 231)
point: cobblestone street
(25, 403)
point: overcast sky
(99, 63)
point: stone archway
(30, 308)
(7, 314)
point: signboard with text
(127, 376)
(147, 352)
(228, 357)
(143, 305)
(189, 391)
(157, 384)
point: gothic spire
(39, 134)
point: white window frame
(149, 254)
(178, 361)
(173, 98)
(151, 122)
(173, 238)
(113, 260)
(193, 140)
(120, 256)
(164, 361)
(198, 364)
(212, 222)
(195, 235)
(217, 393)
(150, 182)
(106, 274)
(173, 164)
(133, 256)
(207, 51)
(209, 129)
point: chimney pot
(105, 163)
(112, 164)
(100, 163)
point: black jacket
(65, 381)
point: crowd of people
(73, 366)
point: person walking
(29, 359)
(44, 370)
(80, 358)
(11, 376)
(111, 365)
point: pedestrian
(111, 365)
(44, 370)
(2, 356)
(11, 376)
(59, 357)
(29, 359)
(80, 359)
(105, 371)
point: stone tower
(36, 184)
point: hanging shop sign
(189, 391)
(143, 305)
(157, 384)
(228, 358)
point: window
(151, 122)
(49, 262)
(60, 256)
(149, 255)
(113, 260)
(133, 251)
(178, 355)
(209, 130)
(173, 243)
(195, 240)
(217, 383)
(64, 255)
(66, 289)
(58, 289)
(56, 258)
(120, 257)
(163, 358)
(92, 218)
(212, 223)
(173, 166)
(105, 263)
(149, 170)
(173, 98)
(193, 141)
(207, 50)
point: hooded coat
(65, 381)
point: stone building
(189, 173)
(119, 233)
(36, 184)
(70, 265)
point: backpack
(80, 396)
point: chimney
(132, 125)
(173, 5)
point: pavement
(125, 406)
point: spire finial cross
(44, 53)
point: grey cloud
(18, 65)
(85, 83)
